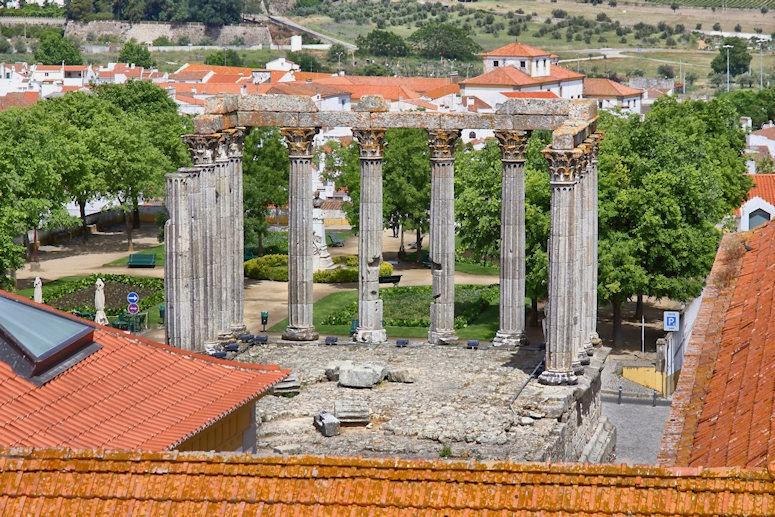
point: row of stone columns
(571, 308)
(204, 248)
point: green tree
(341, 164)
(442, 40)
(336, 53)
(739, 58)
(214, 13)
(227, 57)
(136, 54)
(375, 69)
(265, 169)
(382, 43)
(55, 49)
(406, 176)
(307, 62)
(665, 183)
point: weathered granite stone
(526, 420)
(400, 375)
(289, 449)
(351, 412)
(333, 368)
(290, 386)
(326, 423)
(362, 376)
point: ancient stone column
(581, 244)
(235, 142)
(512, 277)
(177, 259)
(223, 237)
(560, 338)
(300, 327)
(590, 200)
(371, 143)
(442, 236)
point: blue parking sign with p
(672, 321)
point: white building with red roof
(612, 95)
(765, 137)
(521, 68)
(760, 206)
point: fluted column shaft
(561, 331)
(581, 246)
(442, 235)
(177, 259)
(300, 235)
(234, 145)
(371, 143)
(591, 213)
(512, 276)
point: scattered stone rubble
(413, 402)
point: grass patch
(477, 268)
(124, 262)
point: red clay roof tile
(101, 482)
(100, 403)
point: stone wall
(196, 33)
(11, 21)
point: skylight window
(39, 344)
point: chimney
(454, 77)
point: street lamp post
(727, 47)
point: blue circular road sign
(132, 297)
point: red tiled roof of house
(601, 87)
(227, 70)
(443, 90)
(510, 76)
(131, 394)
(722, 409)
(61, 482)
(474, 104)
(767, 132)
(190, 75)
(517, 50)
(764, 187)
(18, 99)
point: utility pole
(727, 47)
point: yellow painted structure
(651, 378)
(224, 435)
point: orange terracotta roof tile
(70, 482)
(764, 187)
(597, 87)
(722, 409)
(131, 394)
(767, 132)
(518, 50)
(12, 99)
(510, 77)
(546, 94)
(228, 70)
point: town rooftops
(61, 482)
(510, 76)
(722, 410)
(600, 87)
(123, 392)
(763, 187)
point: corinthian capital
(203, 147)
(513, 145)
(442, 143)
(371, 142)
(563, 165)
(299, 140)
(234, 140)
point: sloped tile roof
(510, 76)
(131, 394)
(767, 132)
(597, 87)
(60, 482)
(764, 187)
(12, 99)
(517, 50)
(722, 411)
(546, 94)
(227, 70)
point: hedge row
(275, 267)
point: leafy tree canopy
(224, 58)
(136, 54)
(437, 40)
(382, 43)
(739, 58)
(55, 49)
(307, 62)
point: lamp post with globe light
(727, 47)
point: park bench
(142, 260)
(335, 240)
(249, 254)
(390, 279)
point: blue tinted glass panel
(39, 331)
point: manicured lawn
(157, 250)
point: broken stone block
(352, 413)
(358, 377)
(290, 386)
(334, 367)
(326, 423)
(399, 375)
(287, 449)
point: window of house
(757, 218)
(522, 64)
(472, 135)
(495, 63)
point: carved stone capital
(563, 165)
(584, 160)
(442, 143)
(553, 378)
(203, 147)
(513, 145)
(299, 140)
(234, 140)
(593, 141)
(371, 142)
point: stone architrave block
(290, 386)
(400, 375)
(352, 413)
(327, 424)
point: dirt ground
(84, 257)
